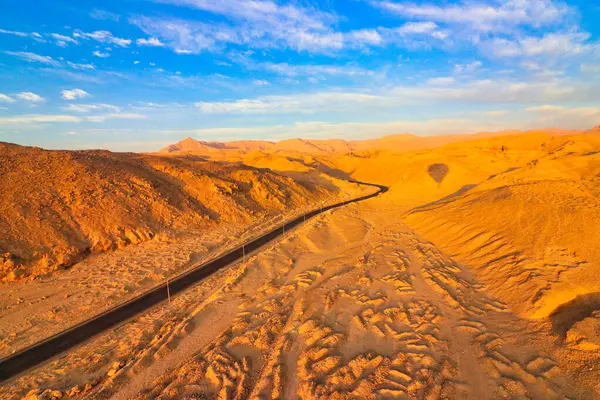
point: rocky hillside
(57, 207)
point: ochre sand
(474, 280)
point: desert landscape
(300, 200)
(476, 275)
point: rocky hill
(57, 207)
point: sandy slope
(353, 305)
(530, 233)
(475, 276)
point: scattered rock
(116, 367)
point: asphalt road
(45, 350)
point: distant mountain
(594, 131)
(190, 145)
(399, 142)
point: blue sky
(137, 75)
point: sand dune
(475, 277)
(531, 232)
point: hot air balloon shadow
(438, 172)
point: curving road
(45, 350)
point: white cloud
(303, 103)
(531, 65)
(81, 66)
(546, 108)
(482, 16)
(103, 37)
(500, 47)
(415, 34)
(104, 15)
(442, 81)
(294, 70)
(187, 37)
(100, 54)
(74, 94)
(411, 28)
(551, 45)
(352, 130)
(364, 37)
(62, 40)
(556, 44)
(152, 42)
(6, 99)
(33, 57)
(84, 108)
(444, 90)
(104, 117)
(500, 91)
(29, 96)
(29, 119)
(15, 33)
(569, 117)
(467, 68)
(261, 23)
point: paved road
(43, 351)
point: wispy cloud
(81, 66)
(262, 23)
(33, 57)
(551, 45)
(33, 35)
(482, 16)
(442, 90)
(468, 68)
(100, 54)
(14, 33)
(62, 40)
(561, 116)
(6, 99)
(442, 81)
(294, 70)
(351, 130)
(187, 37)
(152, 42)
(104, 117)
(363, 37)
(58, 118)
(30, 96)
(103, 37)
(74, 94)
(85, 108)
(412, 28)
(29, 119)
(302, 103)
(104, 15)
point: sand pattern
(387, 315)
